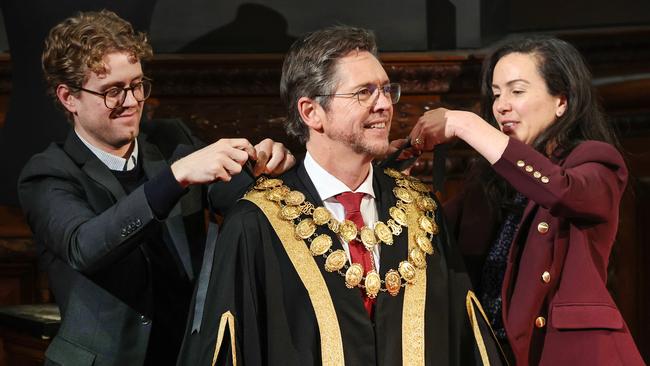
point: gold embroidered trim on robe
(414, 302)
(311, 277)
(226, 319)
(472, 303)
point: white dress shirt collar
(113, 162)
(328, 186)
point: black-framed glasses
(368, 95)
(114, 97)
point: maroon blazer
(556, 307)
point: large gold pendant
(384, 233)
(348, 230)
(290, 212)
(335, 261)
(373, 284)
(368, 238)
(424, 243)
(305, 228)
(321, 216)
(407, 271)
(353, 275)
(320, 245)
(398, 215)
(393, 282)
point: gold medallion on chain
(407, 270)
(353, 275)
(320, 245)
(368, 238)
(393, 282)
(373, 284)
(384, 233)
(321, 216)
(294, 198)
(335, 261)
(305, 228)
(348, 230)
(410, 193)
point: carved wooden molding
(255, 75)
(612, 50)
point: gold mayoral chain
(306, 217)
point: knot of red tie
(351, 202)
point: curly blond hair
(78, 45)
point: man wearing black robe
(274, 297)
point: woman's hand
(433, 128)
(441, 125)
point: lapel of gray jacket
(92, 166)
(153, 162)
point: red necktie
(351, 201)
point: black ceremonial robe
(254, 284)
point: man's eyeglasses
(114, 97)
(368, 95)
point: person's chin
(129, 133)
(125, 139)
(378, 149)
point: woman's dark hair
(565, 74)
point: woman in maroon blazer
(539, 216)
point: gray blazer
(90, 237)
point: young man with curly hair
(117, 210)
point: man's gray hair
(309, 69)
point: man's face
(351, 126)
(110, 130)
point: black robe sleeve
(234, 288)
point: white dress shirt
(328, 186)
(113, 162)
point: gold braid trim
(471, 301)
(311, 277)
(414, 303)
(226, 319)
